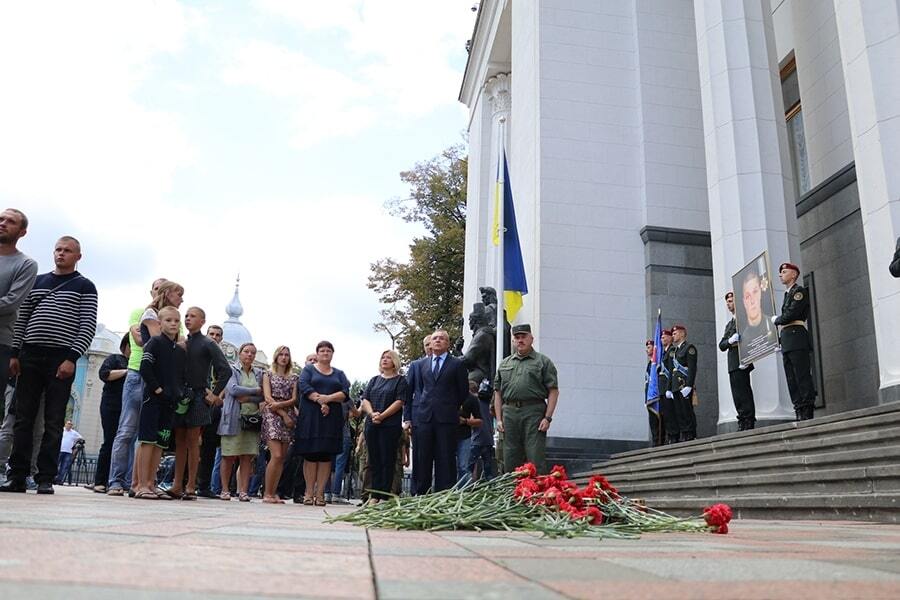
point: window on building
(793, 116)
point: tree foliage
(426, 292)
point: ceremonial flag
(653, 393)
(514, 284)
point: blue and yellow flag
(656, 364)
(514, 284)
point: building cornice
(477, 64)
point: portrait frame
(754, 307)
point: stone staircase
(844, 466)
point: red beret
(788, 265)
(728, 294)
(677, 327)
(667, 332)
(648, 342)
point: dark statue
(479, 357)
(489, 299)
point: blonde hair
(166, 310)
(275, 367)
(160, 300)
(394, 357)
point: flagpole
(501, 230)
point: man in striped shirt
(55, 326)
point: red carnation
(558, 472)
(594, 513)
(526, 470)
(718, 515)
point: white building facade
(656, 147)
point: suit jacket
(436, 398)
(895, 263)
(794, 308)
(734, 359)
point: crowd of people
(235, 428)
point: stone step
(855, 480)
(878, 507)
(871, 456)
(777, 434)
(875, 438)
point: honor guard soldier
(738, 374)
(684, 372)
(667, 401)
(796, 346)
(526, 392)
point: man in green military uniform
(525, 397)
(796, 346)
(684, 372)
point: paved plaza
(82, 545)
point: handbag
(251, 422)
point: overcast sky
(196, 140)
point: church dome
(233, 331)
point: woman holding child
(240, 422)
(279, 414)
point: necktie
(437, 366)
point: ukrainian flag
(514, 284)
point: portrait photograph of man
(754, 308)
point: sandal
(272, 500)
(146, 496)
(320, 501)
(189, 496)
(307, 501)
(243, 497)
(225, 496)
(164, 495)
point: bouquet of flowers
(525, 501)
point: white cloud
(71, 132)
(399, 63)
(323, 102)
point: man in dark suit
(439, 385)
(738, 374)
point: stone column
(498, 92)
(751, 202)
(869, 33)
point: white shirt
(68, 440)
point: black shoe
(14, 485)
(806, 413)
(206, 494)
(45, 487)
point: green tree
(426, 292)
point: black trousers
(798, 373)
(742, 394)
(37, 377)
(292, 484)
(657, 429)
(434, 449)
(669, 419)
(685, 424)
(209, 442)
(109, 421)
(382, 443)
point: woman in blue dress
(320, 428)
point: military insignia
(798, 296)
(691, 350)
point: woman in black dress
(382, 403)
(320, 430)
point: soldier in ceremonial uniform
(526, 392)
(667, 399)
(681, 388)
(657, 431)
(738, 374)
(796, 346)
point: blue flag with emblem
(653, 392)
